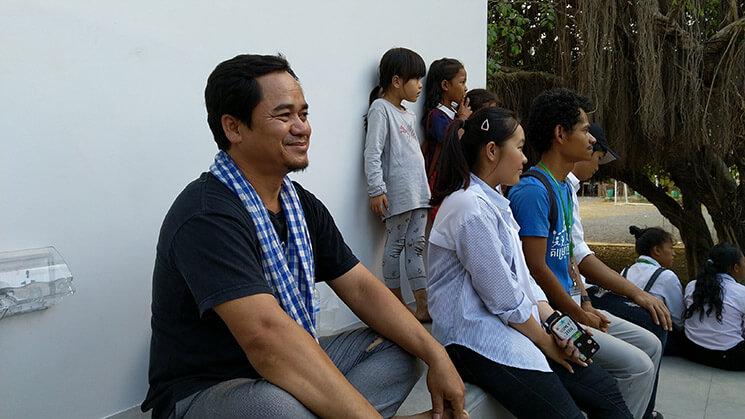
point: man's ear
(231, 127)
(559, 133)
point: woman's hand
(573, 354)
(561, 352)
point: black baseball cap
(601, 144)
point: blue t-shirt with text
(530, 206)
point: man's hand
(379, 205)
(600, 274)
(656, 308)
(594, 318)
(447, 389)
(375, 305)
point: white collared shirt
(581, 249)
(708, 332)
(479, 281)
(449, 112)
(667, 287)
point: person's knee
(395, 248)
(642, 364)
(625, 359)
(650, 345)
(419, 244)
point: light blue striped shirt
(479, 281)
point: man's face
(578, 142)
(279, 136)
(584, 170)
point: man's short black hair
(232, 89)
(553, 107)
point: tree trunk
(687, 218)
(711, 183)
(695, 233)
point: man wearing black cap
(590, 266)
(597, 272)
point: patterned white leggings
(405, 231)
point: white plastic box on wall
(32, 280)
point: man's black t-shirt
(208, 254)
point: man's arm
(375, 305)
(599, 273)
(585, 303)
(287, 356)
(534, 249)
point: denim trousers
(537, 394)
(379, 369)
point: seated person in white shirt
(627, 300)
(650, 272)
(595, 271)
(715, 313)
(486, 308)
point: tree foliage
(668, 81)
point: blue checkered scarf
(289, 270)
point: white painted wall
(102, 123)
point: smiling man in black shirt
(234, 305)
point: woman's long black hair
(460, 155)
(708, 291)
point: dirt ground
(607, 231)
